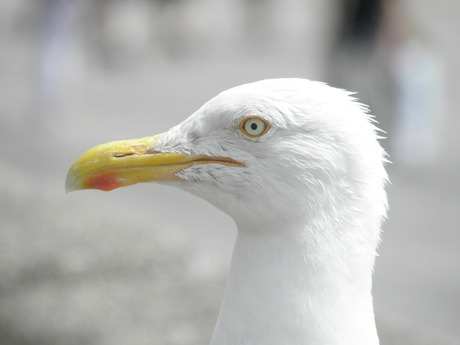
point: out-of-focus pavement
(147, 264)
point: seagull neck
(281, 292)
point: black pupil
(253, 126)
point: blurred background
(147, 264)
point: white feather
(308, 205)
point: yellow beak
(123, 163)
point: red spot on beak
(104, 181)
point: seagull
(298, 166)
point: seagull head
(298, 166)
(269, 152)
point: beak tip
(70, 184)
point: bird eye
(254, 126)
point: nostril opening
(121, 155)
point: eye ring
(254, 126)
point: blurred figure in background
(378, 53)
(124, 32)
(353, 59)
(416, 77)
(58, 19)
(112, 34)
